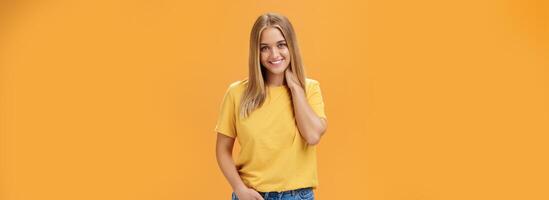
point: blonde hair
(256, 90)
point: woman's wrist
(240, 187)
(295, 88)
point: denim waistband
(292, 192)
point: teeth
(276, 62)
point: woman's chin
(276, 72)
(277, 69)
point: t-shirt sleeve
(226, 119)
(315, 99)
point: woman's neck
(275, 80)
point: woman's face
(274, 51)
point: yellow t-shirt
(273, 155)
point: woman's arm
(224, 155)
(310, 125)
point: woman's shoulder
(237, 86)
(310, 82)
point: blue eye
(281, 45)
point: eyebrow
(276, 42)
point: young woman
(278, 117)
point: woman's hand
(291, 79)
(246, 193)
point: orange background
(425, 99)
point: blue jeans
(298, 194)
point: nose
(275, 53)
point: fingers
(258, 196)
(288, 73)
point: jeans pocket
(306, 194)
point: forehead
(271, 35)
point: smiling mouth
(276, 62)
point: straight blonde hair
(256, 91)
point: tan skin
(275, 57)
